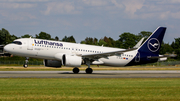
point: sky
(90, 18)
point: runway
(95, 74)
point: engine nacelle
(52, 63)
(71, 61)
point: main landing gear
(76, 70)
(88, 70)
(26, 62)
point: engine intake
(71, 61)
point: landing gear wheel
(25, 65)
(89, 70)
(76, 70)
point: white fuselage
(72, 54)
(47, 49)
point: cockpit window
(17, 42)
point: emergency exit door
(30, 44)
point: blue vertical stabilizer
(150, 48)
(153, 43)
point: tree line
(126, 40)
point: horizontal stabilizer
(162, 56)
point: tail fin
(153, 43)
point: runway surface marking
(95, 74)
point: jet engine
(52, 63)
(71, 61)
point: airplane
(57, 53)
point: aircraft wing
(105, 54)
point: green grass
(68, 89)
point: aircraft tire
(89, 70)
(76, 70)
(25, 65)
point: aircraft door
(137, 58)
(29, 44)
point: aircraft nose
(7, 48)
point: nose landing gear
(26, 62)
